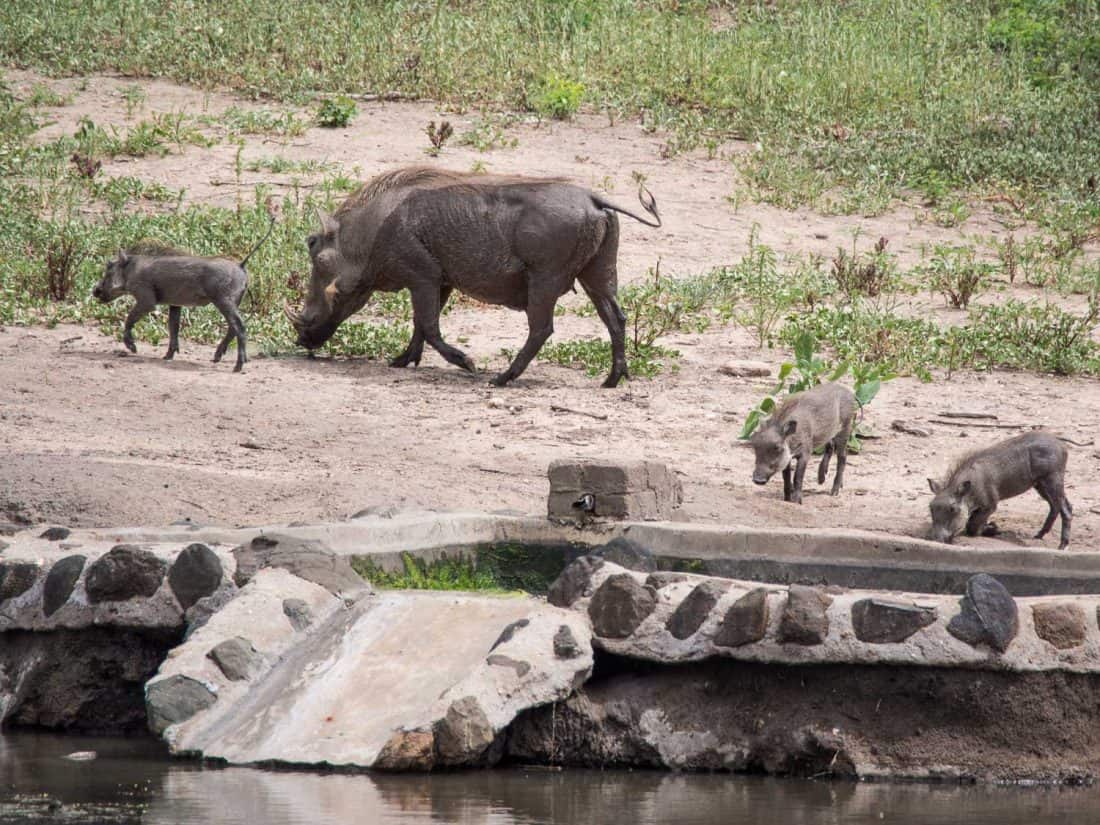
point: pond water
(134, 781)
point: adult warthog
(519, 242)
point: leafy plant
(593, 355)
(558, 97)
(438, 136)
(336, 112)
(956, 274)
(460, 573)
(865, 274)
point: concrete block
(634, 490)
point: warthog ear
(934, 486)
(328, 223)
(123, 258)
(789, 428)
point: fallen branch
(979, 424)
(967, 415)
(1088, 443)
(597, 416)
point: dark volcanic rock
(627, 553)
(195, 574)
(881, 622)
(746, 621)
(804, 619)
(60, 582)
(565, 643)
(200, 612)
(464, 734)
(123, 572)
(407, 750)
(663, 578)
(574, 581)
(16, 578)
(237, 658)
(694, 609)
(619, 606)
(55, 533)
(1060, 623)
(298, 612)
(175, 699)
(509, 631)
(988, 614)
(305, 558)
(520, 667)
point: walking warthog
(981, 479)
(156, 274)
(519, 242)
(803, 422)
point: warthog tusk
(292, 314)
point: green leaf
(866, 392)
(840, 371)
(750, 424)
(767, 405)
(804, 347)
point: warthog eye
(311, 242)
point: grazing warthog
(156, 274)
(519, 242)
(980, 480)
(805, 421)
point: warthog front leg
(799, 473)
(143, 306)
(426, 308)
(173, 333)
(415, 349)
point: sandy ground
(90, 435)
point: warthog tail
(252, 251)
(650, 206)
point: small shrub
(336, 112)
(438, 136)
(461, 573)
(867, 274)
(955, 274)
(558, 97)
(593, 355)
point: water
(134, 781)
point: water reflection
(133, 781)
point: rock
(60, 582)
(746, 369)
(175, 699)
(664, 579)
(464, 733)
(1063, 624)
(881, 622)
(200, 612)
(804, 621)
(122, 573)
(627, 553)
(910, 429)
(746, 621)
(236, 658)
(16, 578)
(375, 511)
(574, 581)
(10, 528)
(521, 668)
(694, 609)
(620, 605)
(298, 612)
(305, 558)
(55, 533)
(195, 574)
(508, 632)
(412, 750)
(988, 614)
(565, 643)
(636, 490)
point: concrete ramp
(397, 680)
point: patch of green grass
(593, 355)
(459, 573)
(282, 165)
(43, 96)
(850, 104)
(262, 121)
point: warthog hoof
(991, 530)
(468, 365)
(501, 380)
(169, 355)
(403, 360)
(130, 346)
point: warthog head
(948, 509)
(326, 305)
(773, 453)
(113, 282)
